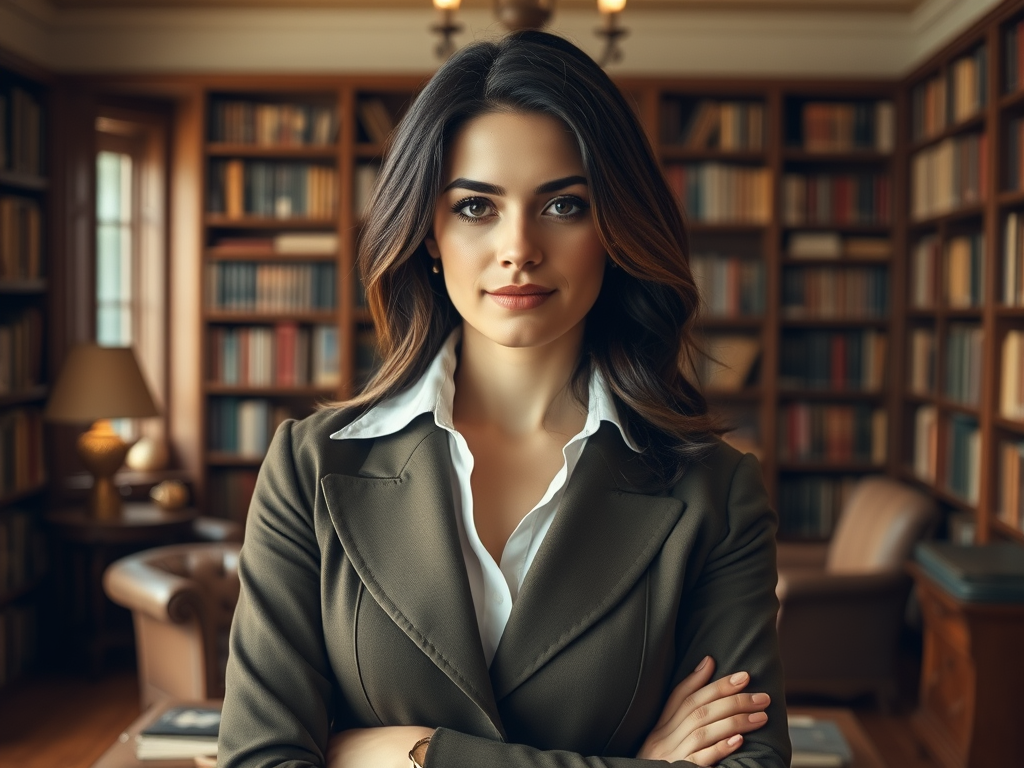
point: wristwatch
(418, 753)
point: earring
(436, 266)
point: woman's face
(514, 230)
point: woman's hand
(704, 723)
(384, 747)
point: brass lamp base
(103, 451)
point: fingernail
(757, 717)
(739, 677)
(760, 698)
(703, 663)
(733, 741)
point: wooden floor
(68, 721)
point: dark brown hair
(639, 332)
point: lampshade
(610, 6)
(100, 383)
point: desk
(87, 546)
(864, 753)
(121, 753)
(972, 676)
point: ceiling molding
(845, 6)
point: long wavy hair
(639, 333)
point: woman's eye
(567, 207)
(472, 209)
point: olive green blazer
(355, 607)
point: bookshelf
(24, 292)
(287, 166)
(962, 436)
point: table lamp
(98, 384)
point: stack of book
(731, 286)
(832, 433)
(964, 347)
(270, 124)
(924, 272)
(1011, 400)
(21, 347)
(256, 287)
(21, 126)
(709, 124)
(717, 193)
(21, 450)
(963, 469)
(1011, 479)
(836, 199)
(949, 175)
(20, 238)
(1013, 261)
(832, 127)
(968, 84)
(928, 105)
(274, 189)
(837, 360)
(831, 292)
(922, 361)
(965, 259)
(180, 733)
(832, 245)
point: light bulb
(447, 5)
(608, 6)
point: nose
(518, 245)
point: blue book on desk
(983, 573)
(818, 743)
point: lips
(520, 296)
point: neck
(518, 390)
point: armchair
(843, 603)
(182, 598)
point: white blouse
(494, 586)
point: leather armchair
(843, 603)
(182, 599)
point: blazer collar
(397, 524)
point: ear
(432, 249)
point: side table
(86, 547)
(972, 676)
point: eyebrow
(493, 189)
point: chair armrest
(138, 586)
(217, 529)
(792, 554)
(800, 584)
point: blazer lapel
(396, 521)
(601, 541)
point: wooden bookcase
(283, 324)
(24, 291)
(955, 441)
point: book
(815, 245)
(818, 743)
(180, 733)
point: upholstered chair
(182, 598)
(843, 602)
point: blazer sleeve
(278, 683)
(729, 613)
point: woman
(522, 543)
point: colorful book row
(21, 450)
(836, 199)
(244, 427)
(730, 126)
(23, 549)
(964, 346)
(731, 286)
(1013, 261)
(1011, 398)
(835, 293)
(21, 130)
(21, 239)
(921, 379)
(950, 97)
(809, 506)
(251, 287)
(949, 175)
(833, 360)
(21, 350)
(717, 193)
(836, 127)
(959, 278)
(272, 189)
(283, 355)
(1010, 507)
(832, 433)
(269, 124)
